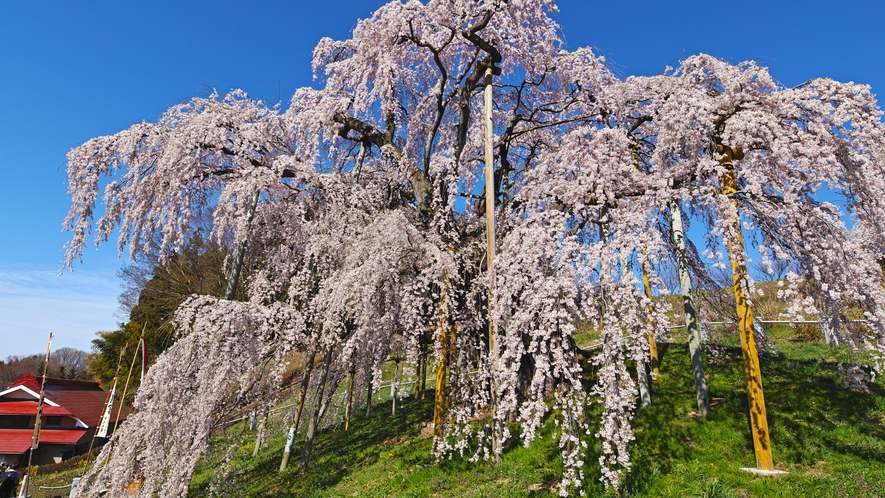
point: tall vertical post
(442, 365)
(643, 377)
(319, 410)
(490, 254)
(752, 371)
(655, 360)
(688, 308)
(259, 434)
(296, 419)
(393, 387)
(126, 387)
(349, 402)
(35, 440)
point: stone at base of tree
(764, 473)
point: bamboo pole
(126, 386)
(110, 398)
(752, 371)
(35, 440)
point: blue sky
(70, 71)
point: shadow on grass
(812, 418)
(337, 451)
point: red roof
(28, 381)
(30, 408)
(83, 398)
(17, 441)
(87, 406)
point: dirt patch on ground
(427, 432)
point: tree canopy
(369, 219)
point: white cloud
(36, 301)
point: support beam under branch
(752, 372)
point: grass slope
(829, 438)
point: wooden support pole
(318, 411)
(349, 402)
(369, 388)
(490, 252)
(688, 308)
(643, 377)
(393, 387)
(425, 358)
(446, 353)
(259, 434)
(655, 360)
(419, 384)
(305, 382)
(752, 371)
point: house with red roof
(72, 412)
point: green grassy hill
(828, 437)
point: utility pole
(752, 372)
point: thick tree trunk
(525, 374)
(237, 266)
(691, 316)
(830, 326)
